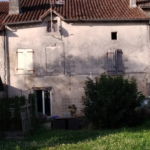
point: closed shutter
(53, 59)
(29, 61)
(50, 59)
(111, 63)
(119, 62)
(21, 61)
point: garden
(137, 138)
(114, 118)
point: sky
(4, 0)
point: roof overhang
(77, 20)
(106, 20)
(23, 22)
(144, 7)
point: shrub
(111, 101)
(9, 120)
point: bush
(110, 102)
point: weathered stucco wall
(79, 53)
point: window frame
(112, 36)
(54, 26)
(115, 62)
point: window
(43, 102)
(25, 61)
(54, 27)
(114, 35)
(115, 64)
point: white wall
(84, 46)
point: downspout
(63, 48)
(6, 62)
(148, 70)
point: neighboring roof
(33, 10)
(4, 8)
(143, 3)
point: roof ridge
(4, 1)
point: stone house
(51, 52)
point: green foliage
(8, 119)
(117, 139)
(73, 110)
(34, 114)
(111, 101)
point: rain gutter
(104, 20)
(6, 62)
(24, 22)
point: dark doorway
(39, 101)
(47, 103)
(43, 102)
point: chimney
(14, 7)
(132, 3)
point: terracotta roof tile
(4, 7)
(80, 9)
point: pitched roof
(4, 8)
(79, 9)
(143, 3)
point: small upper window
(52, 26)
(114, 35)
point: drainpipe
(6, 62)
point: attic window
(54, 26)
(114, 35)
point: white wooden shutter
(21, 61)
(29, 61)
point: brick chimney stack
(133, 3)
(14, 7)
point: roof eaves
(104, 20)
(144, 6)
(23, 22)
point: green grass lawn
(120, 139)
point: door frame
(43, 102)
